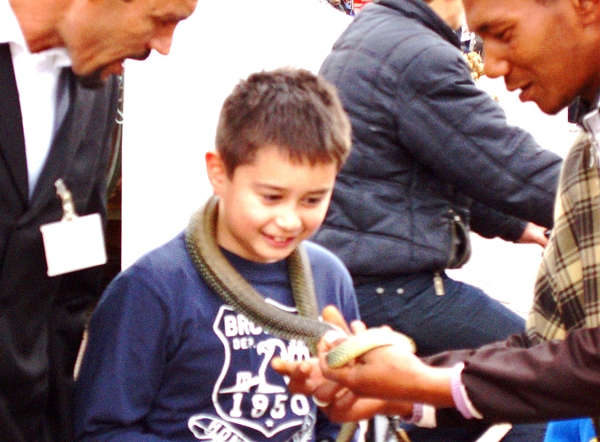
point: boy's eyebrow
(321, 191)
(266, 186)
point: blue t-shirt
(166, 359)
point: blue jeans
(463, 317)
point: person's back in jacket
(432, 158)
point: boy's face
(545, 50)
(269, 206)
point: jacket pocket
(460, 242)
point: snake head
(361, 343)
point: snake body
(224, 279)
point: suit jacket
(42, 318)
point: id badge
(74, 243)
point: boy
(167, 357)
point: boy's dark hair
(293, 109)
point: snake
(235, 290)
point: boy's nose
(288, 220)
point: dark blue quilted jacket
(432, 153)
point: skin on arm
(534, 234)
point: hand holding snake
(318, 378)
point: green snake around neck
(225, 280)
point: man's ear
(588, 11)
(215, 168)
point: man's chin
(550, 108)
(95, 80)
(98, 78)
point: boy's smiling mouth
(280, 240)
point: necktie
(62, 99)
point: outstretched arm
(503, 382)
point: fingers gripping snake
(224, 279)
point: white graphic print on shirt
(248, 394)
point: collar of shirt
(36, 76)
(10, 32)
(579, 109)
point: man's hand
(385, 380)
(534, 234)
(391, 373)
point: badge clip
(67, 200)
(73, 243)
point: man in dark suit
(50, 50)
